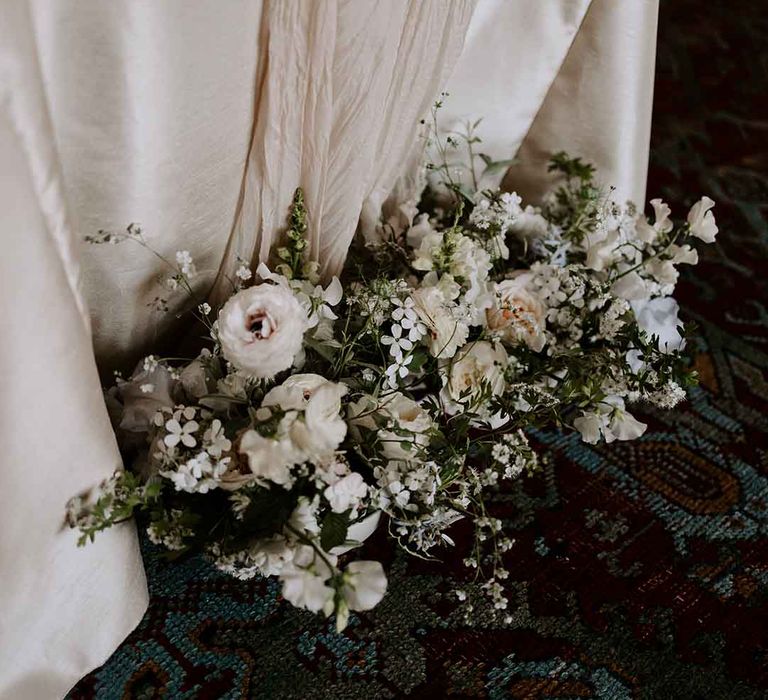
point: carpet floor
(640, 570)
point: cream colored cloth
(575, 75)
(62, 609)
(197, 120)
(134, 110)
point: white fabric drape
(575, 75)
(197, 120)
(61, 609)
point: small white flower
(186, 264)
(244, 272)
(216, 440)
(178, 433)
(204, 308)
(396, 341)
(398, 370)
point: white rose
(702, 221)
(346, 493)
(446, 334)
(261, 330)
(518, 314)
(294, 393)
(403, 411)
(477, 365)
(323, 429)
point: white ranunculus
(144, 395)
(445, 333)
(659, 317)
(346, 493)
(702, 221)
(365, 584)
(477, 365)
(518, 315)
(261, 330)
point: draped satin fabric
(550, 76)
(198, 120)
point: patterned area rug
(640, 570)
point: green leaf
(334, 530)
(494, 166)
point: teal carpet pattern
(640, 570)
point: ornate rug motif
(640, 570)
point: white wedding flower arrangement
(402, 392)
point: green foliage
(292, 255)
(333, 531)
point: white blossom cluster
(319, 410)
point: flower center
(261, 324)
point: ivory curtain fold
(197, 120)
(550, 76)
